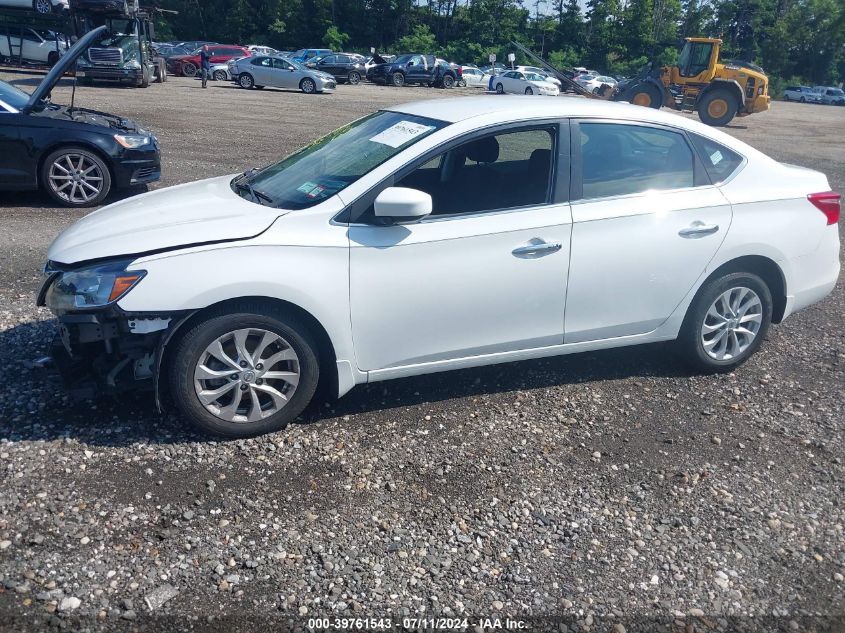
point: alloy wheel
(246, 375)
(75, 178)
(43, 6)
(732, 323)
(308, 86)
(219, 75)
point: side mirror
(401, 205)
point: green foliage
(334, 39)
(800, 39)
(420, 40)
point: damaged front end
(99, 348)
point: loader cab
(697, 61)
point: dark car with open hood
(75, 155)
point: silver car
(830, 95)
(276, 72)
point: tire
(691, 341)
(42, 7)
(293, 343)
(786, 97)
(245, 80)
(397, 79)
(529, 91)
(189, 69)
(52, 58)
(308, 86)
(500, 89)
(645, 94)
(60, 165)
(145, 78)
(354, 78)
(717, 108)
(462, 83)
(448, 81)
(220, 75)
(803, 100)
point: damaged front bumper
(110, 351)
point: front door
(646, 223)
(485, 273)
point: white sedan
(528, 83)
(398, 246)
(594, 82)
(473, 77)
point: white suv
(439, 235)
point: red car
(188, 65)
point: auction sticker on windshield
(400, 133)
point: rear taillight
(828, 203)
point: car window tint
(719, 161)
(501, 171)
(627, 159)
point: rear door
(646, 222)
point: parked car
(545, 74)
(347, 67)
(188, 65)
(195, 45)
(219, 72)
(473, 77)
(40, 46)
(377, 58)
(416, 269)
(593, 83)
(77, 156)
(414, 69)
(830, 96)
(45, 7)
(261, 50)
(306, 54)
(804, 94)
(518, 82)
(494, 69)
(277, 72)
(169, 51)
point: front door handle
(537, 248)
(698, 229)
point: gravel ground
(612, 491)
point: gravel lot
(613, 490)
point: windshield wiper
(259, 196)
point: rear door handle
(698, 229)
(536, 249)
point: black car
(344, 66)
(76, 155)
(414, 69)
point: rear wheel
(245, 372)
(189, 69)
(75, 177)
(726, 322)
(500, 89)
(245, 80)
(397, 79)
(448, 81)
(219, 75)
(529, 91)
(308, 86)
(354, 78)
(717, 107)
(645, 94)
(803, 100)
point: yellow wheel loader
(717, 91)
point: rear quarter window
(719, 161)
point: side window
(280, 64)
(501, 171)
(619, 160)
(30, 36)
(262, 61)
(329, 59)
(719, 161)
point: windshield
(332, 163)
(534, 77)
(402, 59)
(13, 96)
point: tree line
(795, 41)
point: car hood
(195, 213)
(91, 117)
(62, 66)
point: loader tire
(717, 107)
(645, 94)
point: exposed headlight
(132, 63)
(132, 141)
(93, 287)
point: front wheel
(354, 78)
(803, 99)
(529, 91)
(500, 89)
(220, 75)
(717, 108)
(726, 322)
(75, 177)
(448, 81)
(397, 79)
(245, 80)
(645, 94)
(244, 373)
(189, 69)
(308, 86)
(42, 6)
